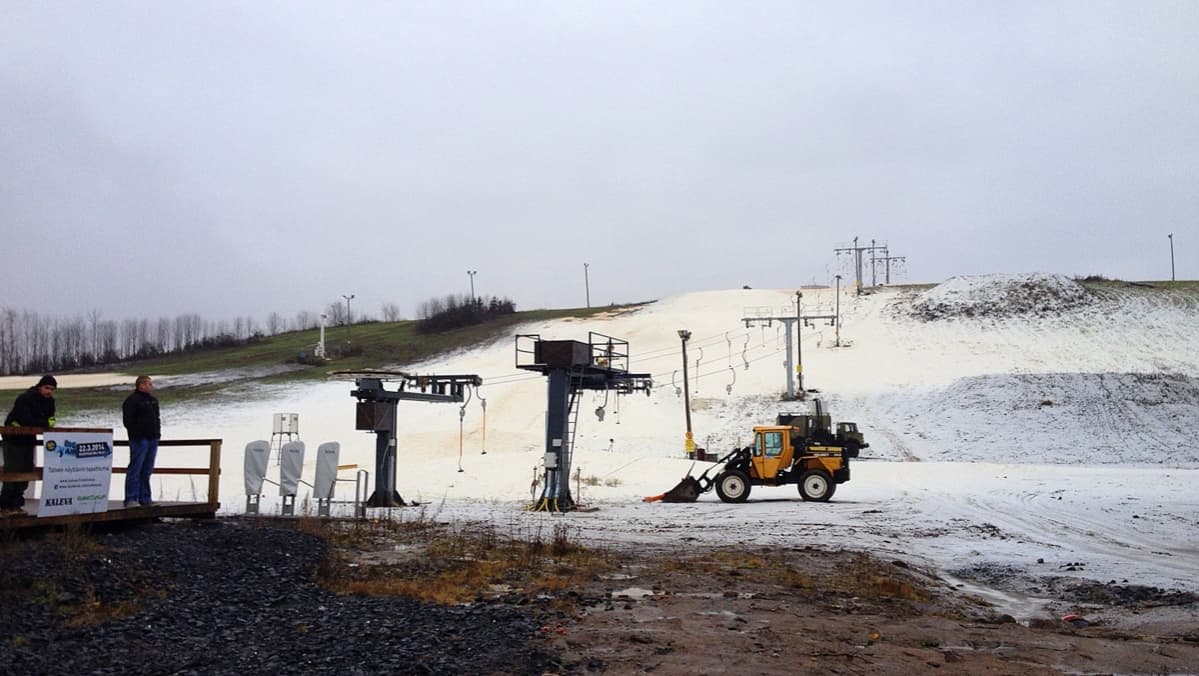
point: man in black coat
(140, 413)
(33, 408)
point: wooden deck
(116, 512)
(116, 509)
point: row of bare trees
(33, 343)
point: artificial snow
(1042, 421)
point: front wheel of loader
(816, 486)
(733, 486)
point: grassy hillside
(277, 358)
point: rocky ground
(227, 597)
(233, 595)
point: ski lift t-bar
(376, 413)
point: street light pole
(472, 274)
(689, 442)
(587, 283)
(837, 315)
(1171, 236)
(349, 320)
(799, 343)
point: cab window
(772, 444)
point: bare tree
(8, 340)
(93, 319)
(337, 313)
(162, 335)
(391, 312)
(107, 331)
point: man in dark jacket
(33, 408)
(140, 413)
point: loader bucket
(688, 490)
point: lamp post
(1171, 236)
(837, 316)
(472, 274)
(349, 320)
(799, 344)
(587, 283)
(689, 442)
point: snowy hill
(1105, 375)
(1018, 423)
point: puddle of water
(633, 593)
(717, 595)
(1019, 606)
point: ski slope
(1021, 423)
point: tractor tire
(816, 486)
(733, 486)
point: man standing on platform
(33, 408)
(140, 413)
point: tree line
(457, 311)
(34, 343)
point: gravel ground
(227, 597)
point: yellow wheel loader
(801, 449)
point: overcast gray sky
(239, 158)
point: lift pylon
(376, 413)
(571, 366)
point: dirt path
(808, 611)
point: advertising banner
(76, 473)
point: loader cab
(772, 451)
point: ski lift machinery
(376, 412)
(571, 366)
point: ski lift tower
(377, 413)
(570, 367)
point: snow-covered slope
(1058, 429)
(1110, 379)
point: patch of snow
(1000, 295)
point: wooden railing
(213, 470)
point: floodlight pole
(1171, 236)
(837, 315)
(689, 442)
(799, 343)
(349, 320)
(587, 283)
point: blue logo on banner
(83, 451)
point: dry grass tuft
(861, 576)
(449, 565)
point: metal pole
(837, 316)
(587, 283)
(799, 341)
(873, 266)
(857, 252)
(689, 443)
(349, 320)
(1171, 236)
